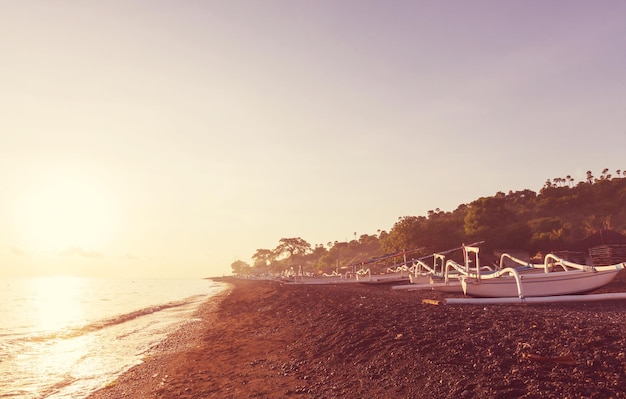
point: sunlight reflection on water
(66, 337)
(58, 302)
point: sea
(66, 337)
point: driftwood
(567, 359)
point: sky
(169, 139)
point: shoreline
(268, 340)
(140, 380)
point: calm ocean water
(65, 337)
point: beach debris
(566, 359)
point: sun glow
(64, 211)
(58, 302)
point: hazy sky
(171, 138)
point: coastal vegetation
(558, 217)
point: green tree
(405, 234)
(292, 247)
(490, 220)
(263, 258)
(241, 268)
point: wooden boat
(334, 278)
(441, 276)
(538, 284)
(321, 281)
(537, 280)
(363, 276)
(399, 275)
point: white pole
(537, 299)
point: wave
(136, 314)
(8, 346)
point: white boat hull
(424, 279)
(450, 287)
(384, 278)
(322, 280)
(538, 284)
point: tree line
(556, 218)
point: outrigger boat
(321, 280)
(425, 277)
(398, 273)
(441, 276)
(555, 276)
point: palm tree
(604, 172)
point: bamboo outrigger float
(537, 299)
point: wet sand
(261, 339)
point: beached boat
(444, 280)
(393, 275)
(334, 278)
(423, 273)
(538, 284)
(441, 276)
(555, 276)
(321, 280)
